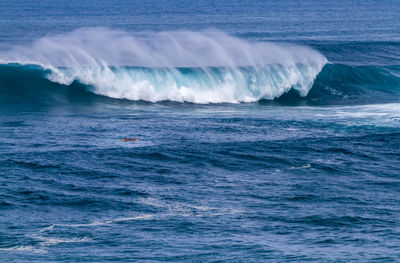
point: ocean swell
(199, 67)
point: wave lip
(199, 67)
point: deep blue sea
(269, 131)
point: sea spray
(200, 67)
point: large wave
(200, 67)
(335, 84)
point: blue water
(269, 131)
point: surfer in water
(129, 139)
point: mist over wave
(200, 67)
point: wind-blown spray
(200, 67)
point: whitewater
(183, 66)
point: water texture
(269, 131)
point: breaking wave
(199, 67)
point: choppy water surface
(251, 148)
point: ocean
(269, 131)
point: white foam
(99, 223)
(306, 166)
(385, 115)
(46, 241)
(183, 209)
(50, 241)
(25, 249)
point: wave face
(339, 84)
(199, 67)
(336, 84)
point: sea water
(269, 131)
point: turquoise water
(268, 131)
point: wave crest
(199, 67)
